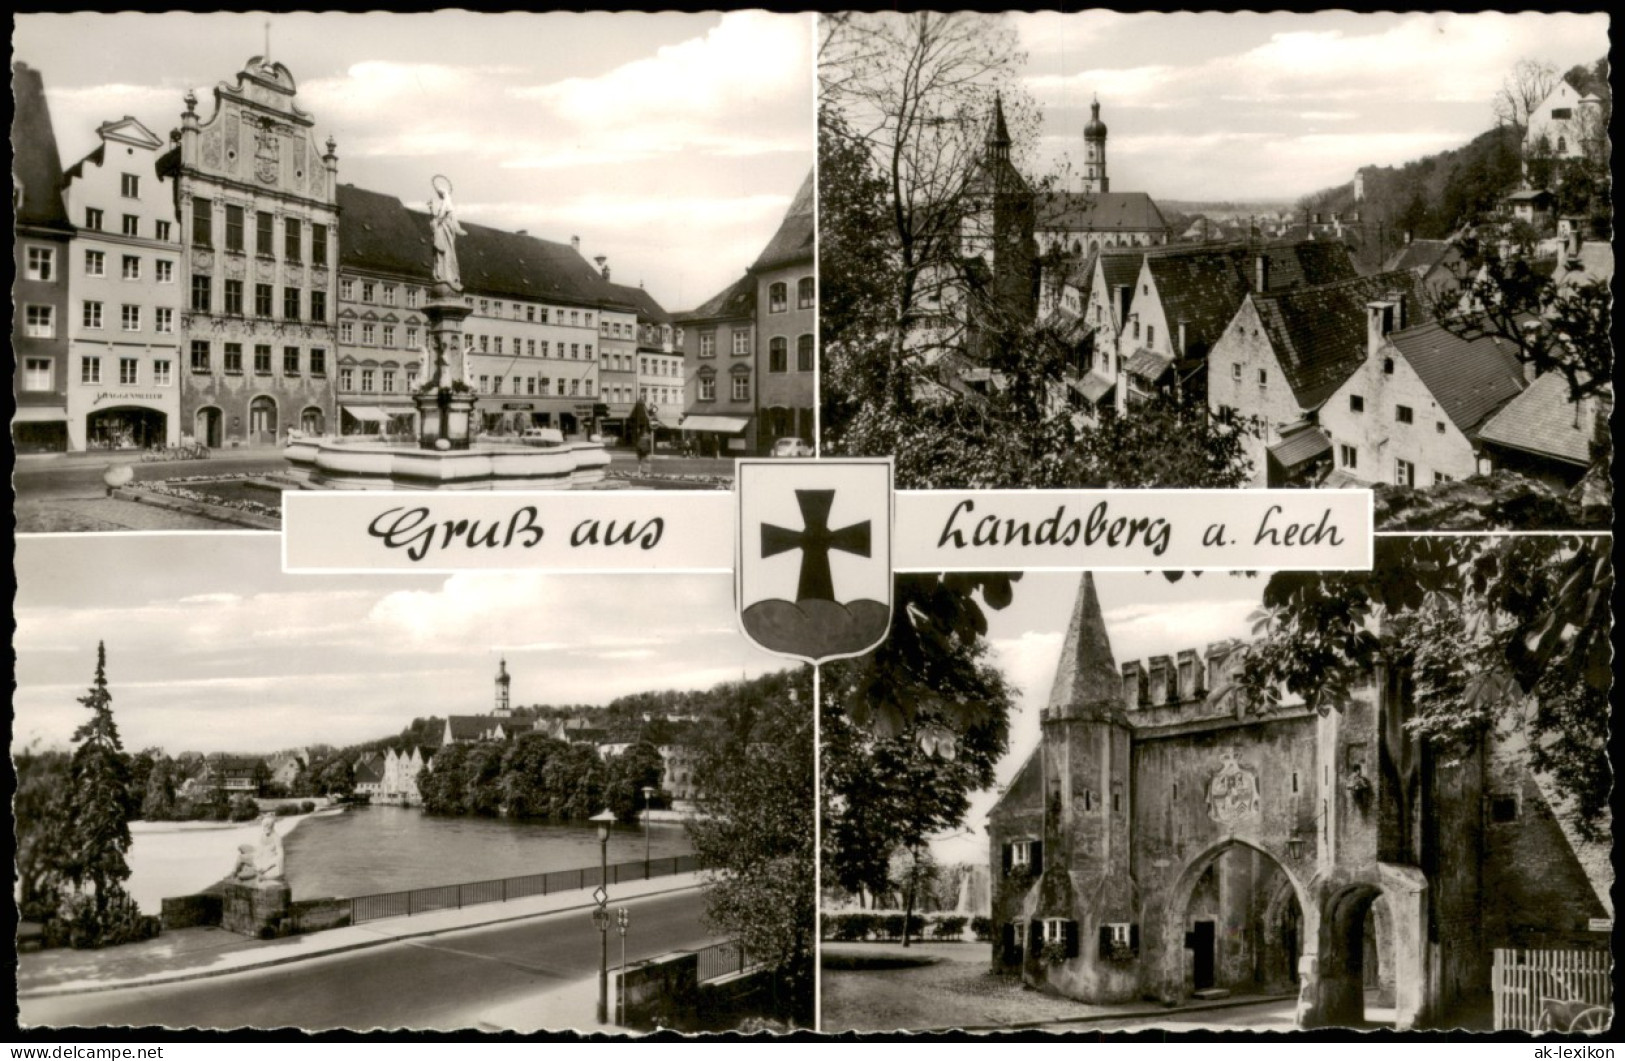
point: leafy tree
(1481, 623)
(628, 774)
(524, 766)
(158, 802)
(754, 784)
(1525, 87)
(41, 813)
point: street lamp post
(600, 914)
(648, 794)
(623, 918)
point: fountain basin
(339, 464)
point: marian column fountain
(446, 456)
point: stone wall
(192, 911)
(255, 910)
(660, 992)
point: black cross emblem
(815, 541)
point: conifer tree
(99, 808)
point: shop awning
(1301, 447)
(366, 413)
(727, 425)
(38, 414)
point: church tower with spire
(1095, 181)
(503, 708)
(999, 222)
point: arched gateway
(1167, 841)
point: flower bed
(182, 489)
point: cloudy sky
(1146, 615)
(670, 143)
(1259, 106)
(211, 648)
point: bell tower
(503, 709)
(1095, 180)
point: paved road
(78, 476)
(1276, 1015)
(440, 983)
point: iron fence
(365, 908)
(721, 959)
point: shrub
(306, 806)
(890, 926)
(982, 928)
(952, 927)
(122, 922)
(243, 809)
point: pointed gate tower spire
(1087, 685)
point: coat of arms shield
(813, 571)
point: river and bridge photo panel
(476, 802)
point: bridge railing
(721, 959)
(364, 908)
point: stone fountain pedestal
(447, 456)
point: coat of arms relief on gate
(1232, 795)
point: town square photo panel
(330, 251)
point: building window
(163, 320)
(234, 227)
(741, 387)
(200, 355)
(346, 332)
(318, 361)
(806, 293)
(347, 290)
(129, 185)
(200, 294)
(1151, 335)
(262, 359)
(290, 303)
(368, 335)
(164, 271)
(366, 292)
(389, 294)
(130, 318)
(318, 244)
(741, 343)
(411, 297)
(1404, 472)
(290, 361)
(231, 359)
(559, 390)
(91, 315)
(1388, 366)
(39, 322)
(496, 345)
(130, 267)
(1263, 378)
(1356, 403)
(778, 354)
(42, 263)
(587, 351)
(129, 371)
(95, 264)
(708, 389)
(160, 230)
(778, 298)
(37, 374)
(412, 340)
(1503, 809)
(389, 381)
(346, 379)
(93, 219)
(1403, 414)
(293, 236)
(90, 370)
(1438, 427)
(264, 234)
(804, 353)
(1441, 477)
(234, 298)
(389, 335)
(162, 372)
(130, 225)
(318, 306)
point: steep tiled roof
(1100, 212)
(1319, 334)
(382, 235)
(36, 163)
(1086, 674)
(793, 242)
(1543, 420)
(1469, 378)
(1121, 267)
(640, 300)
(1301, 446)
(1418, 254)
(468, 727)
(738, 299)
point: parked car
(791, 447)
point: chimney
(1120, 294)
(1379, 322)
(1261, 273)
(575, 243)
(1183, 347)
(603, 266)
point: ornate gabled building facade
(1166, 838)
(256, 203)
